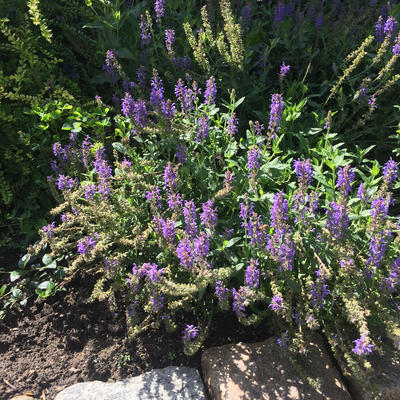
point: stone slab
(170, 383)
(263, 371)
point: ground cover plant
(220, 171)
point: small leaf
(14, 275)
(119, 147)
(24, 260)
(2, 290)
(47, 259)
(232, 242)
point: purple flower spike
(252, 275)
(190, 333)
(204, 126)
(169, 39)
(253, 164)
(337, 220)
(159, 9)
(232, 128)
(304, 171)
(284, 70)
(390, 170)
(210, 92)
(345, 179)
(209, 215)
(276, 303)
(275, 115)
(169, 178)
(363, 346)
(390, 26)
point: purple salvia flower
(185, 96)
(390, 26)
(284, 70)
(286, 254)
(86, 151)
(313, 203)
(304, 172)
(157, 301)
(379, 210)
(145, 34)
(253, 163)
(169, 39)
(210, 92)
(87, 243)
(141, 75)
(222, 294)
(168, 230)
(189, 214)
(169, 178)
(157, 91)
(65, 182)
(259, 128)
(238, 303)
(90, 190)
(362, 194)
(203, 124)
(190, 333)
(377, 248)
(233, 123)
(318, 294)
(362, 346)
(379, 34)
(159, 9)
(152, 272)
(153, 196)
(279, 14)
(276, 303)
(252, 275)
(140, 113)
(168, 109)
(49, 230)
(111, 65)
(127, 105)
(184, 252)
(228, 178)
(390, 171)
(372, 103)
(209, 215)
(104, 189)
(174, 202)
(201, 246)
(345, 179)
(279, 213)
(275, 115)
(394, 276)
(337, 220)
(101, 165)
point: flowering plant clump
(185, 208)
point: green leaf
(232, 242)
(119, 147)
(14, 275)
(24, 260)
(3, 289)
(67, 126)
(47, 259)
(239, 102)
(239, 266)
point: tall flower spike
(210, 92)
(275, 115)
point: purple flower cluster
(372, 103)
(259, 128)
(275, 115)
(276, 303)
(222, 294)
(157, 91)
(210, 92)
(190, 332)
(362, 346)
(153, 196)
(89, 190)
(304, 172)
(394, 276)
(362, 194)
(65, 182)
(390, 171)
(103, 171)
(189, 214)
(390, 26)
(279, 213)
(379, 34)
(182, 62)
(156, 301)
(377, 248)
(145, 34)
(111, 65)
(238, 304)
(233, 123)
(204, 126)
(201, 246)
(141, 75)
(128, 105)
(87, 243)
(345, 179)
(284, 70)
(253, 163)
(184, 251)
(252, 275)
(228, 178)
(169, 178)
(286, 254)
(186, 96)
(49, 229)
(169, 40)
(337, 220)
(209, 215)
(151, 272)
(166, 227)
(319, 292)
(379, 210)
(159, 9)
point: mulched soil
(55, 343)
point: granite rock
(263, 371)
(170, 383)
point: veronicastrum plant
(195, 217)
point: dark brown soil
(55, 343)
